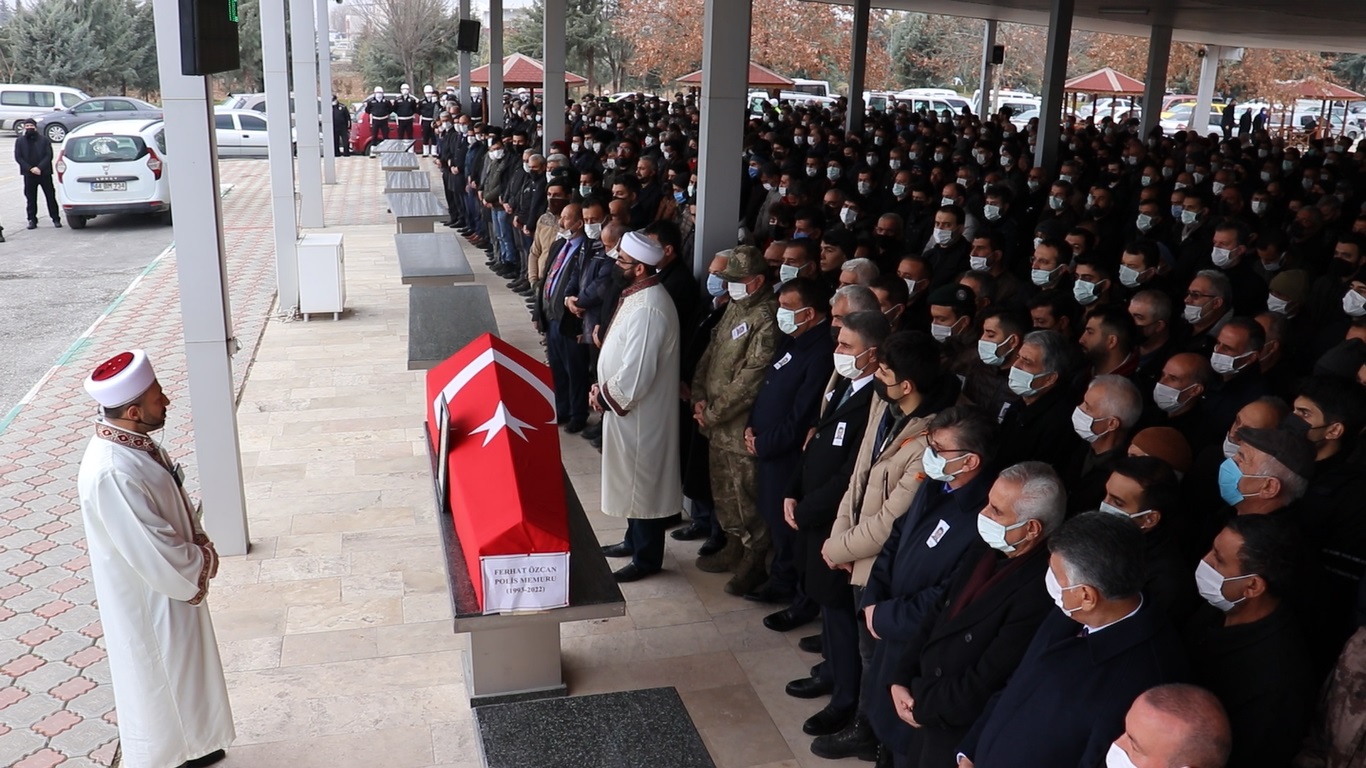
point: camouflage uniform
(728, 380)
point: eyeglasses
(625, 262)
(1197, 295)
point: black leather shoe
(621, 549)
(712, 545)
(592, 431)
(830, 720)
(630, 572)
(855, 740)
(809, 688)
(32, 223)
(596, 443)
(812, 644)
(785, 620)
(575, 427)
(691, 532)
(770, 594)
(58, 224)
(209, 759)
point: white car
(240, 133)
(113, 167)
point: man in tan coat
(724, 387)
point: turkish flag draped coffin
(506, 488)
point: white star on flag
(501, 420)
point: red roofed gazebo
(759, 76)
(519, 71)
(1314, 88)
(1104, 82)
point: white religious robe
(152, 564)
(638, 376)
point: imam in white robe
(638, 375)
(152, 564)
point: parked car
(19, 102)
(1181, 120)
(56, 125)
(113, 167)
(240, 133)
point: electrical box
(209, 37)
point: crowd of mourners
(1065, 463)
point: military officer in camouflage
(724, 387)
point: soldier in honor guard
(405, 108)
(427, 111)
(379, 108)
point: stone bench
(435, 258)
(389, 146)
(416, 211)
(442, 319)
(407, 181)
(399, 161)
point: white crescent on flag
(490, 357)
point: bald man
(1173, 724)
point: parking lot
(55, 282)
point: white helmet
(379, 91)
(403, 87)
(428, 89)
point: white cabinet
(322, 274)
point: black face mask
(882, 392)
(30, 131)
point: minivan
(20, 102)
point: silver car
(56, 125)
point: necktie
(848, 393)
(558, 269)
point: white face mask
(1192, 313)
(1275, 303)
(847, 365)
(787, 320)
(943, 236)
(898, 189)
(994, 533)
(593, 231)
(978, 263)
(911, 285)
(1226, 364)
(936, 466)
(1144, 222)
(941, 333)
(737, 291)
(1354, 304)
(947, 201)
(1167, 397)
(1056, 590)
(1230, 448)
(992, 212)
(1084, 426)
(1221, 257)
(848, 216)
(864, 187)
(1189, 216)
(989, 352)
(1021, 382)
(1129, 277)
(1042, 277)
(1210, 583)
(788, 272)
(1085, 293)
(1112, 509)
(1118, 758)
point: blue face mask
(680, 197)
(1229, 477)
(716, 286)
(753, 172)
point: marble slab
(395, 145)
(399, 161)
(434, 258)
(407, 181)
(444, 318)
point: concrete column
(858, 66)
(203, 289)
(1155, 83)
(325, 92)
(986, 106)
(1204, 95)
(303, 44)
(494, 98)
(1054, 75)
(725, 50)
(466, 103)
(275, 68)
(552, 116)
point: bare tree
(416, 32)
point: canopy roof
(1314, 88)
(519, 71)
(758, 75)
(1104, 80)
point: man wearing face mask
(379, 107)
(788, 401)
(1145, 489)
(1173, 724)
(558, 195)
(800, 259)
(405, 108)
(33, 153)
(1040, 426)
(910, 390)
(1236, 359)
(948, 250)
(1246, 646)
(597, 290)
(1268, 474)
(811, 505)
(988, 255)
(986, 384)
(724, 387)
(1232, 254)
(952, 309)
(561, 325)
(970, 642)
(637, 392)
(1104, 420)
(1208, 306)
(1075, 683)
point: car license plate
(108, 186)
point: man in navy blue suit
(1104, 646)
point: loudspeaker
(209, 40)
(998, 54)
(468, 37)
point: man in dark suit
(568, 358)
(1040, 425)
(970, 643)
(788, 402)
(1066, 702)
(813, 498)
